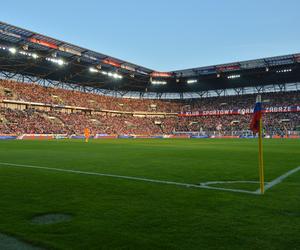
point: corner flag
(257, 115)
(256, 127)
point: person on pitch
(87, 134)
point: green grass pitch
(113, 213)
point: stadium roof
(32, 54)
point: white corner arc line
(227, 182)
(128, 178)
(279, 179)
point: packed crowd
(274, 123)
(42, 122)
(242, 101)
(33, 120)
(36, 93)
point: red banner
(228, 68)
(161, 74)
(112, 62)
(245, 111)
(44, 43)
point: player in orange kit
(87, 134)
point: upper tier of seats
(37, 93)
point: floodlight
(93, 70)
(60, 62)
(12, 50)
(192, 81)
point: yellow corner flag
(261, 158)
(257, 127)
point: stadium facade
(50, 87)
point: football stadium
(101, 153)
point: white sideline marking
(203, 185)
(279, 179)
(129, 178)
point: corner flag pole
(260, 153)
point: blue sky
(166, 35)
